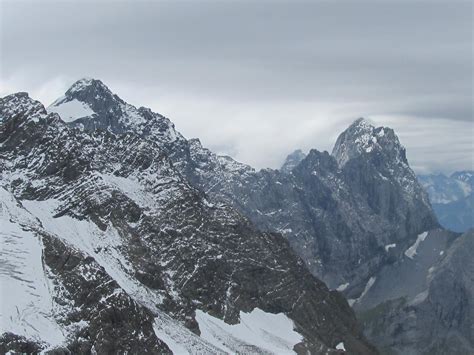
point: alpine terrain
(121, 235)
(107, 247)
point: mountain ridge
(200, 235)
(234, 183)
(115, 205)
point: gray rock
(438, 320)
(292, 160)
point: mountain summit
(90, 105)
(362, 138)
(293, 160)
(86, 98)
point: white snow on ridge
(263, 332)
(27, 307)
(71, 110)
(270, 333)
(104, 246)
(411, 251)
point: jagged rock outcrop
(338, 211)
(131, 247)
(292, 160)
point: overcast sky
(259, 80)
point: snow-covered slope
(27, 304)
(71, 110)
(269, 333)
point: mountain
(350, 215)
(423, 304)
(292, 160)
(111, 248)
(189, 251)
(452, 198)
(338, 212)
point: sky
(257, 80)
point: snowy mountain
(122, 226)
(111, 249)
(452, 198)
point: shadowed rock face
(127, 239)
(292, 160)
(437, 319)
(337, 211)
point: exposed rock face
(337, 211)
(131, 248)
(292, 160)
(452, 198)
(433, 316)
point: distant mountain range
(121, 235)
(452, 198)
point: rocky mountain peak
(90, 105)
(87, 98)
(88, 84)
(292, 160)
(363, 138)
(21, 104)
(91, 91)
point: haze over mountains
(452, 198)
(123, 226)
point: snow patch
(342, 287)
(411, 251)
(419, 298)
(269, 332)
(180, 339)
(368, 286)
(390, 246)
(71, 110)
(341, 346)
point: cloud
(257, 80)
